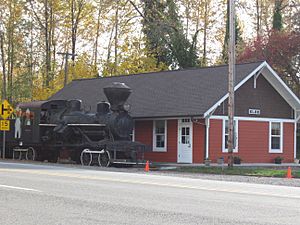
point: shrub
(237, 160)
(278, 160)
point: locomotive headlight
(126, 107)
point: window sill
(159, 150)
(226, 151)
(276, 151)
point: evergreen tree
(166, 40)
(277, 16)
(238, 37)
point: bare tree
(3, 65)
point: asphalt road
(39, 194)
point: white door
(185, 148)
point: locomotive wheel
(104, 159)
(30, 154)
(86, 158)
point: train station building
(182, 114)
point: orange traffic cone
(289, 173)
(147, 166)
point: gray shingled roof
(189, 92)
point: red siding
(144, 134)
(288, 142)
(253, 142)
(198, 142)
(143, 131)
(215, 139)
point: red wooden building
(183, 114)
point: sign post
(3, 144)
(5, 111)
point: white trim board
(295, 140)
(170, 118)
(262, 119)
(207, 126)
(273, 79)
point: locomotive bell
(117, 94)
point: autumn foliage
(281, 50)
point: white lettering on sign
(254, 111)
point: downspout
(207, 124)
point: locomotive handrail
(92, 151)
(74, 124)
(86, 124)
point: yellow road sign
(6, 109)
(5, 125)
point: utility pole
(66, 55)
(231, 81)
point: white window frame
(270, 137)
(159, 149)
(236, 149)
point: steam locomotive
(55, 129)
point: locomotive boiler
(61, 129)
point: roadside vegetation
(259, 172)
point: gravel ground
(235, 178)
(167, 172)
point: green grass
(259, 172)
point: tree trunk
(47, 45)
(73, 8)
(187, 14)
(116, 37)
(52, 48)
(204, 60)
(10, 58)
(31, 60)
(97, 36)
(257, 19)
(3, 66)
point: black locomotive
(60, 129)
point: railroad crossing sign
(4, 125)
(5, 109)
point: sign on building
(254, 111)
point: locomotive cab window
(159, 135)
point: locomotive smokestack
(117, 94)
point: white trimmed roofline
(273, 79)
